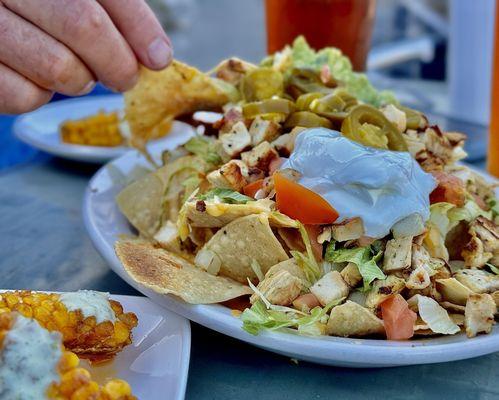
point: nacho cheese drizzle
(34, 351)
(90, 303)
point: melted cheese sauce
(90, 303)
(381, 187)
(28, 361)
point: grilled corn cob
(101, 129)
(35, 365)
(82, 333)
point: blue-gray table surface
(44, 246)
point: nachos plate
(311, 203)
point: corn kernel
(117, 389)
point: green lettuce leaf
(203, 148)
(225, 196)
(357, 84)
(259, 317)
(364, 259)
(446, 216)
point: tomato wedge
(298, 202)
(253, 187)
(398, 318)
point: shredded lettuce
(445, 216)
(259, 317)
(257, 270)
(470, 211)
(225, 196)
(301, 55)
(203, 148)
(364, 259)
(330, 249)
(307, 261)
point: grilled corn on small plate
(41, 129)
(155, 362)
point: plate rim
(337, 351)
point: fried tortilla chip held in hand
(160, 96)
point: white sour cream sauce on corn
(28, 360)
(90, 303)
(381, 187)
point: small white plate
(40, 128)
(157, 361)
(105, 223)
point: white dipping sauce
(90, 303)
(381, 187)
(28, 360)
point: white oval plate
(157, 360)
(104, 223)
(40, 128)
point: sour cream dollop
(381, 187)
(90, 303)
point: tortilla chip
(453, 291)
(141, 203)
(160, 96)
(351, 319)
(166, 273)
(216, 215)
(242, 241)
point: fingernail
(87, 89)
(160, 54)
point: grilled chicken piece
(236, 140)
(398, 254)
(395, 116)
(477, 280)
(330, 287)
(280, 288)
(232, 175)
(352, 229)
(233, 70)
(351, 275)
(260, 156)
(479, 314)
(483, 245)
(262, 130)
(382, 289)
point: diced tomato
(398, 318)
(306, 302)
(253, 187)
(275, 164)
(450, 189)
(313, 232)
(298, 202)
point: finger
(138, 24)
(35, 55)
(17, 94)
(85, 27)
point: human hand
(65, 46)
